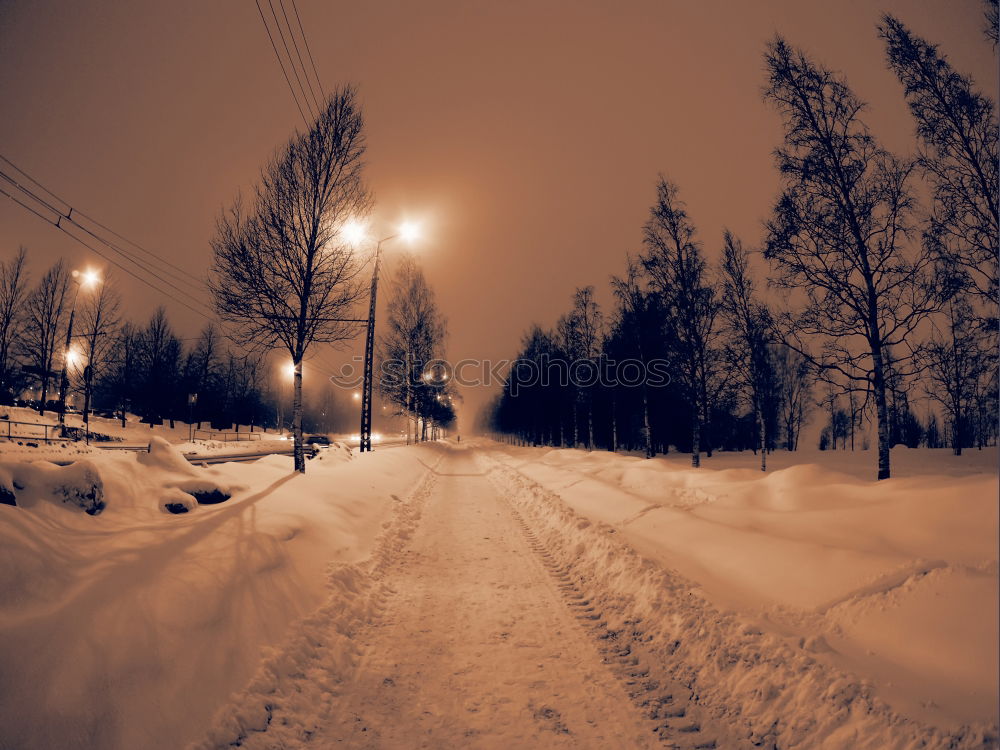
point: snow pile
(77, 485)
(131, 628)
(810, 606)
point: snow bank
(129, 629)
(817, 606)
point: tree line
(885, 299)
(118, 366)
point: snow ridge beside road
(773, 691)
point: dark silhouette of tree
(283, 273)
(991, 13)
(838, 231)
(957, 130)
(413, 339)
(45, 310)
(677, 273)
(634, 322)
(201, 372)
(957, 359)
(158, 369)
(794, 383)
(13, 292)
(99, 321)
(749, 324)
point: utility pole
(366, 389)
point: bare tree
(635, 304)
(414, 337)
(99, 322)
(677, 272)
(957, 129)
(794, 383)
(121, 381)
(957, 360)
(13, 290)
(838, 231)
(581, 333)
(283, 273)
(749, 323)
(201, 365)
(991, 13)
(45, 309)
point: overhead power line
(62, 219)
(305, 41)
(282, 65)
(298, 54)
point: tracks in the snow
(627, 651)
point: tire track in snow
(678, 724)
(475, 647)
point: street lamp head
(409, 232)
(87, 278)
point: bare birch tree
(13, 290)
(45, 309)
(838, 233)
(678, 274)
(957, 130)
(749, 323)
(99, 321)
(283, 273)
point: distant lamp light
(290, 369)
(409, 232)
(356, 396)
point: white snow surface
(128, 629)
(805, 607)
(888, 587)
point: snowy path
(476, 647)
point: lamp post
(87, 278)
(407, 232)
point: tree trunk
(590, 424)
(695, 438)
(882, 413)
(647, 433)
(576, 432)
(761, 435)
(299, 447)
(614, 425)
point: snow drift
(819, 609)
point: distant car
(318, 440)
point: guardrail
(227, 437)
(45, 430)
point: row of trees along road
(412, 342)
(884, 295)
(120, 365)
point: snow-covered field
(890, 588)
(806, 607)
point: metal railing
(45, 429)
(227, 437)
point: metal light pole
(366, 388)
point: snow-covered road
(476, 647)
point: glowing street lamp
(409, 232)
(84, 279)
